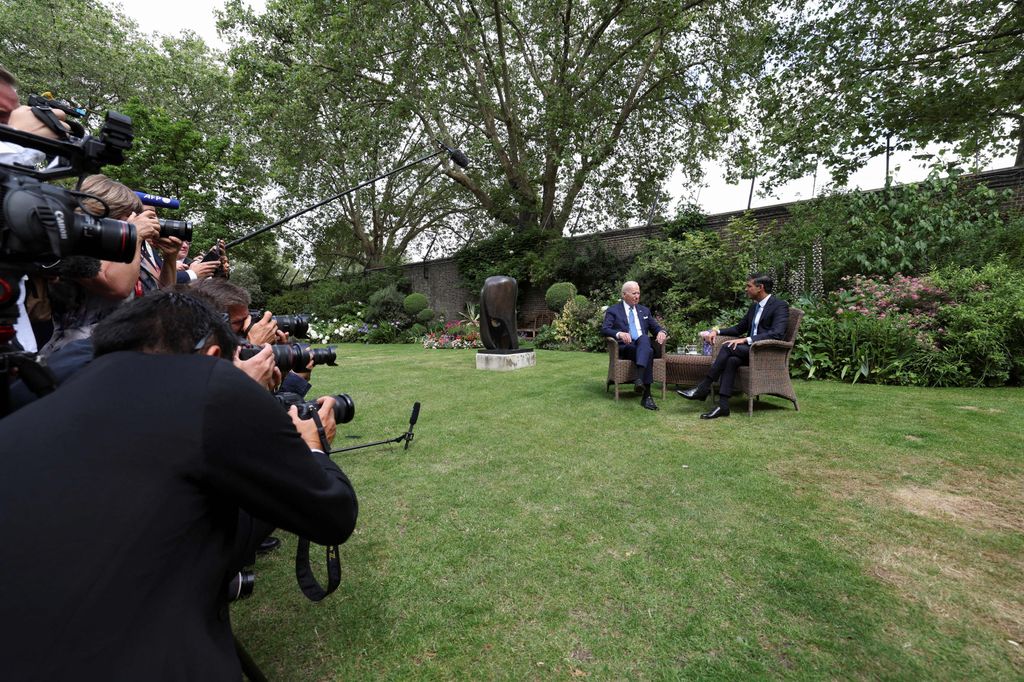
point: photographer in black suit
(766, 319)
(128, 495)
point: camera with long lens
(294, 325)
(292, 357)
(344, 408)
(39, 222)
(182, 229)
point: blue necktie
(634, 330)
(757, 318)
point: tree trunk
(1019, 161)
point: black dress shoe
(648, 403)
(268, 545)
(695, 393)
(719, 411)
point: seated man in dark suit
(766, 319)
(125, 503)
(629, 323)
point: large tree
(852, 76)
(554, 101)
(189, 141)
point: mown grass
(537, 529)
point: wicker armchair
(624, 371)
(768, 373)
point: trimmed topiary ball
(425, 315)
(414, 303)
(558, 293)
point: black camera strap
(303, 571)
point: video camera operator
(89, 289)
(122, 515)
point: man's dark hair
(767, 282)
(167, 322)
(7, 77)
(222, 293)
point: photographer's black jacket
(119, 513)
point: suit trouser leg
(640, 352)
(729, 361)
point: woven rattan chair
(622, 371)
(768, 373)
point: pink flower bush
(911, 301)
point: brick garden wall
(439, 279)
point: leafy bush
(385, 305)
(578, 326)
(900, 229)
(518, 254)
(957, 327)
(557, 294)
(382, 333)
(414, 303)
(425, 315)
(694, 277)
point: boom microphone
(456, 155)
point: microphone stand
(271, 226)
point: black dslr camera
(344, 408)
(294, 325)
(292, 357)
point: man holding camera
(122, 516)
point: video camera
(292, 357)
(38, 221)
(294, 325)
(39, 225)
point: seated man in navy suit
(629, 323)
(766, 319)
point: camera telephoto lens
(182, 229)
(344, 408)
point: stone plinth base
(505, 360)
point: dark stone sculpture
(498, 314)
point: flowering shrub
(335, 331)
(447, 339)
(913, 302)
(956, 327)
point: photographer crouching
(125, 504)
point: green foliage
(585, 263)
(577, 327)
(690, 218)
(424, 316)
(519, 255)
(414, 303)
(628, 95)
(385, 305)
(694, 277)
(975, 337)
(558, 294)
(383, 333)
(338, 298)
(907, 229)
(985, 330)
(851, 73)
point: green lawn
(537, 529)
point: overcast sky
(715, 196)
